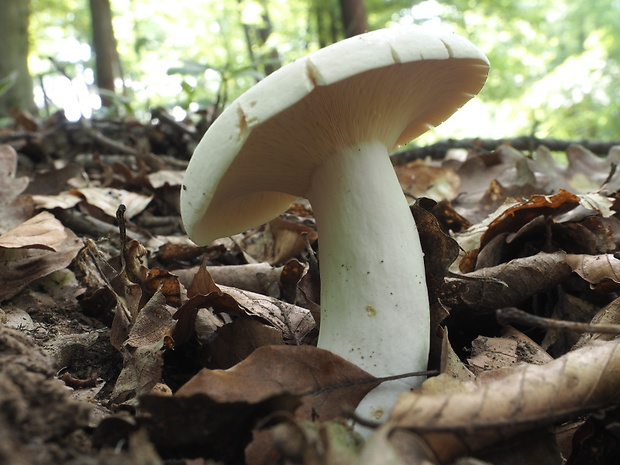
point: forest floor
(118, 335)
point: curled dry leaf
(597, 202)
(214, 414)
(143, 351)
(63, 200)
(328, 443)
(34, 249)
(12, 211)
(43, 231)
(608, 315)
(161, 178)
(440, 249)
(498, 407)
(235, 341)
(108, 200)
(505, 285)
(420, 179)
(595, 269)
(329, 385)
(294, 322)
(523, 212)
(288, 239)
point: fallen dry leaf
(34, 249)
(523, 212)
(608, 315)
(143, 351)
(498, 407)
(328, 443)
(108, 200)
(237, 340)
(595, 269)
(43, 231)
(214, 414)
(505, 285)
(329, 386)
(294, 322)
(514, 348)
(420, 179)
(14, 207)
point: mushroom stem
(374, 302)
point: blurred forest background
(555, 63)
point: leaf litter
(206, 354)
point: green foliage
(545, 55)
(553, 61)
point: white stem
(374, 302)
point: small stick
(512, 315)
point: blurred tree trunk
(353, 17)
(328, 23)
(107, 67)
(14, 56)
(257, 35)
(273, 57)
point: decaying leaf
(419, 179)
(329, 443)
(237, 340)
(595, 269)
(608, 315)
(492, 353)
(505, 285)
(294, 322)
(215, 412)
(441, 249)
(328, 385)
(289, 239)
(523, 212)
(108, 200)
(14, 208)
(528, 396)
(34, 249)
(143, 351)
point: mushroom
(322, 128)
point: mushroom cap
(389, 85)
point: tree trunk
(107, 67)
(353, 17)
(14, 56)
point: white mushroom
(322, 128)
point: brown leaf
(491, 353)
(198, 426)
(328, 384)
(237, 340)
(608, 315)
(294, 322)
(143, 351)
(595, 269)
(43, 231)
(288, 239)
(505, 285)
(14, 208)
(440, 249)
(525, 397)
(523, 212)
(108, 200)
(289, 441)
(419, 179)
(33, 250)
